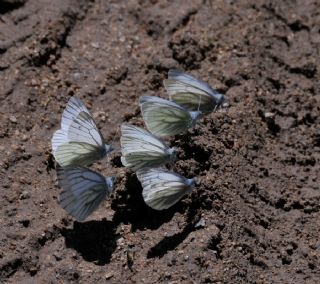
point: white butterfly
(165, 118)
(162, 189)
(192, 93)
(83, 190)
(79, 141)
(141, 149)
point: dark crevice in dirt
(309, 70)
(185, 20)
(214, 244)
(55, 39)
(270, 121)
(187, 151)
(115, 76)
(51, 44)
(294, 26)
(261, 194)
(276, 84)
(258, 262)
(187, 51)
(27, 262)
(9, 267)
(10, 5)
(2, 68)
(49, 235)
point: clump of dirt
(255, 216)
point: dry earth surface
(259, 200)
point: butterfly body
(195, 115)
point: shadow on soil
(95, 241)
(130, 208)
(170, 243)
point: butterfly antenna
(114, 139)
(199, 103)
(118, 149)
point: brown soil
(259, 199)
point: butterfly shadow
(130, 208)
(192, 217)
(95, 241)
(169, 243)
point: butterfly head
(195, 115)
(110, 183)
(221, 101)
(173, 154)
(108, 148)
(193, 182)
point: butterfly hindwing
(79, 141)
(77, 153)
(163, 117)
(142, 149)
(161, 188)
(83, 191)
(192, 93)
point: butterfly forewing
(77, 153)
(84, 129)
(72, 111)
(59, 137)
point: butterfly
(83, 190)
(162, 189)
(79, 141)
(141, 149)
(165, 118)
(192, 93)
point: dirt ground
(255, 218)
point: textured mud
(255, 217)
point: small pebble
(24, 195)
(95, 44)
(200, 224)
(13, 119)
(109, 275)
(268, 114)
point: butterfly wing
(161, 188)
(163, 117)
(79, 135)
(77, 154)
(60, 137)
(72, 111)
(190, 92)
(83, 191)
(141, 149)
